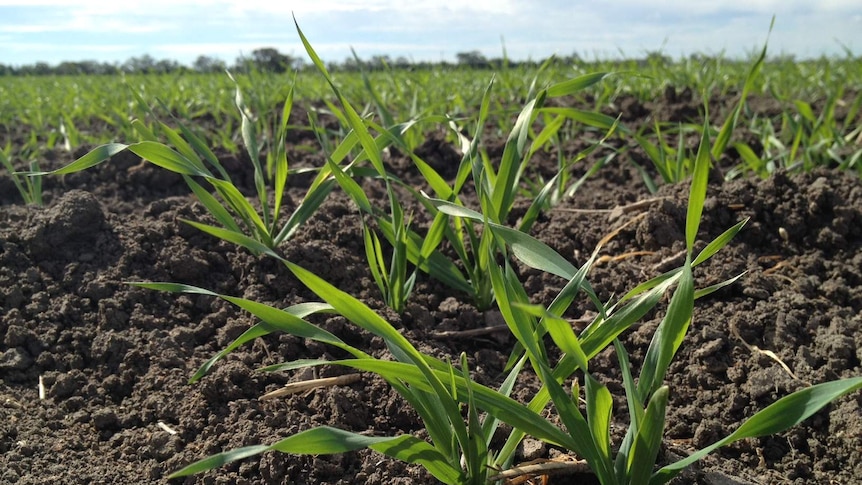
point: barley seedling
(30, 188)
(635, 459)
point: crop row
(813, 119)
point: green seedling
(30, 188)
(634, 461)
(675, 165)
(458, 450)
(496, 186)
(393, 277)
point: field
(612, 163)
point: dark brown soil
(114, 359)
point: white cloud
(684, 7)
(426, 30)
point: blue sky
(113, 31)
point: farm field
(115, 359)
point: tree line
(266, 59)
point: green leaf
(656, 154)
(475, 450)
(564, 337)
(281, 165)
(602, 332)
(505, 184)
(599, 408)
(751, 159)
(212, 205)
(167, 158)
(256, 331)
(201, 148)
(437, 265)
(548, 132)
(372, 151)
(144, 131)
(528, 249)
(697, 195)
(451, 209)
(534, 253)
(351, 188)
(374, 256)
(572, 86)
(713, 288)
(445, 408)
(218, 460)
(25, 193)
(721, 241)
(237, 201)
(238, 238)
(314, 198)
(410, 449)
(435, 181)
(316, 441)
(636, 413)
(779, 416)
(96, 156)
(523, 327)
(724, 134)
(669, 335)
(289, 320)
(648, 441)
(184, 148)
(502, 407)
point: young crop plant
(819, 140)
(675, 165)
(30, 188)
(391, 275)
(457, 451)
(497, 185)
(634, 460)
(563, 186)
(801, 140)
(240, 222)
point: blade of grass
(778, 416)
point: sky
(112, 31)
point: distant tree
(67, 68)
(83, 68)
(379, 62)
(572, 59)
(473, 59)
(146, 64)
(656, 58)
(351, 64)
(498, 62)
(782, 58)
(271, 60)
(402, 62)
(207, 64)
(105, 68)
(42, 69)
(142, 65)
(165, 66)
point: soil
(115, 359)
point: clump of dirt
(114, 359)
